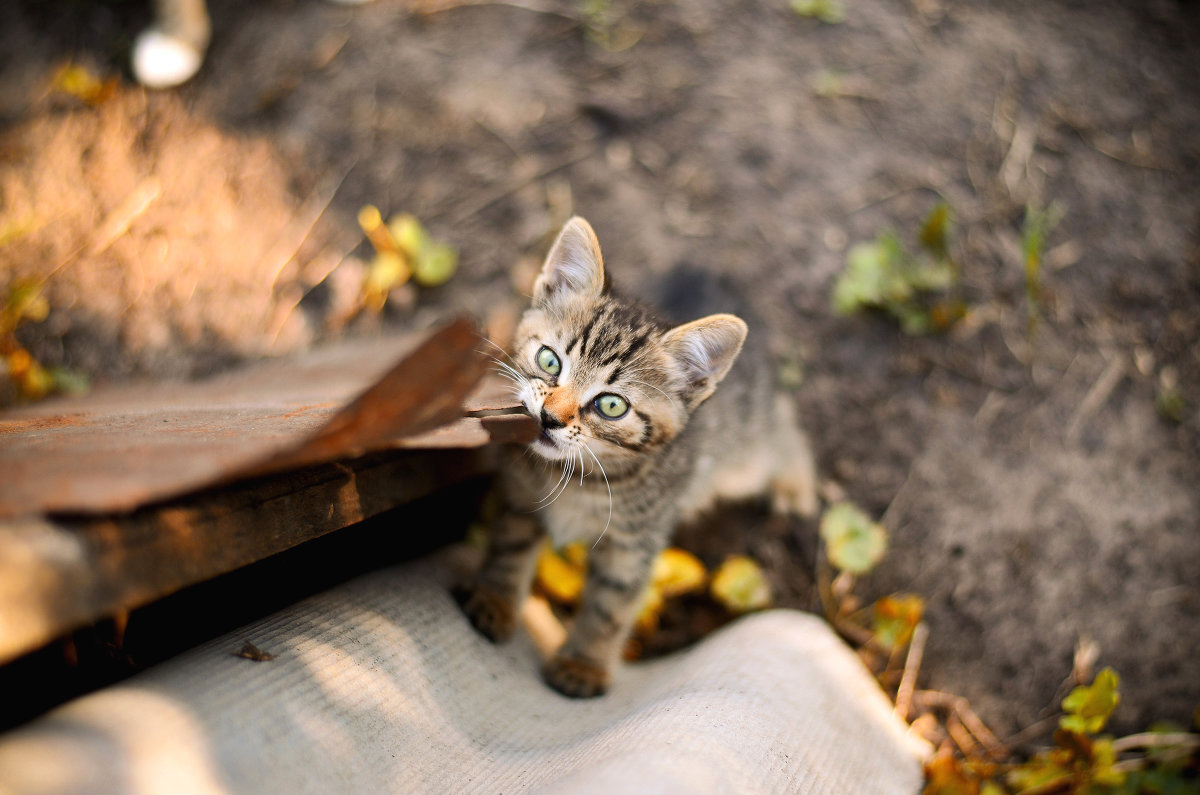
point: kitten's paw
(577, 678)
(794, 494)
(489, 611)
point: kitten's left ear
(573, 268)
(705, 349)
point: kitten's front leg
(494, 600)
(618, 572)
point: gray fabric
(382, 686)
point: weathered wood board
(110, 502)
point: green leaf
(408, 233)
(740, 585)
(884, 275)
(831, 12)
(872, 277)
(433, 262)
(853, 542)
(69, 382)
(935, 232)
(895, 618)
(435, 265)
(1104, 758)
(1089, 708)
(23, 301)
(1171, 403)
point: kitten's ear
(573, 268)
(705, 350)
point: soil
(1039, 486)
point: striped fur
(621, 483)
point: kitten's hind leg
(793, 486)
(494, 600)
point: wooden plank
(116, 450)
(112, 502)
(62, 573)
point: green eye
(548, 361)
(614, 407)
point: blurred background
(970, 230)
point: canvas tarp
(381, 685)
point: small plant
(22, 303)
(915, 289)
(403, 251)
(1163, 761)
(853, 542)
(1039, 223)
(831, 12)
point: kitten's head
(603, 375)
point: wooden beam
(58, 574)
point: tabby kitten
(628, 447)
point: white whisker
(554, 489)
(497, 347)
(569, 472)
(607, 486)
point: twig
(1060, 784)
(962, 738)
(1097, 396)
(1156, 740)
(119, 220)
(962, 708)
(488, 200)
(429, 7)
(1016, 162)
(912, 666)
(298, 230)
(543, 627)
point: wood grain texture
(57, 574)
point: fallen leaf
(853, 542)
(79, 82)
(559, 577)
(677, 572)
(740, 585)
(1089, 707)
(895, 619)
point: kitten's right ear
(574, 267)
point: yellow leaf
(433, 261)
(32, 380)
(558, 577)
(677, 572)
(408, 233)
(896, 617)
(649, 612)
(740, 585)
(80, 83)
(945, 775)
(1089, 707)
(576, 555)
(371, 221)
(387, 271)
(23, 301)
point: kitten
(630, 443)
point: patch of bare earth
(1035, 495)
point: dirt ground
(1036, 494)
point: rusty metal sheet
(116, 450)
